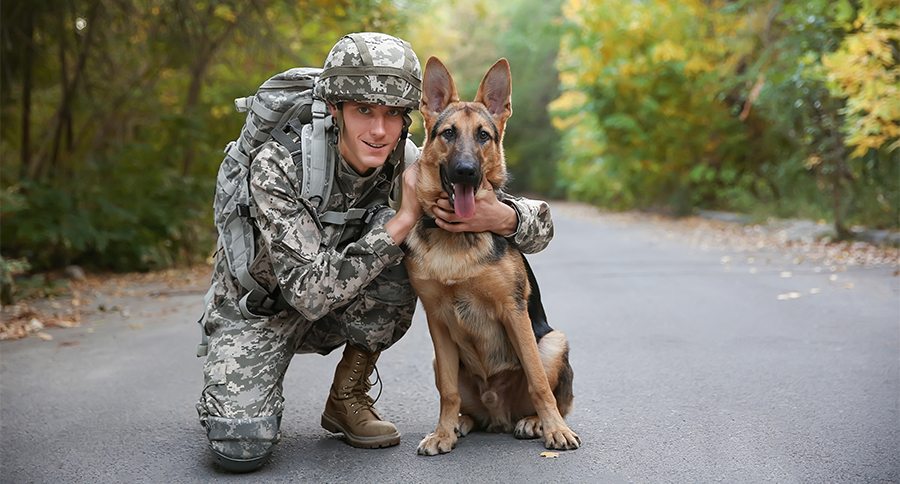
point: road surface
(696, 360)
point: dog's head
(463, 146)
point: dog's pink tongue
(463, 200)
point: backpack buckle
(370, 213)
(245, 211)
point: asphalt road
(692, 364)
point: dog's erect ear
(495, 91)
(438, 90)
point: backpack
(283, 109)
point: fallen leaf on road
(550, 455)
(45, 336)
(788, 295)
(815, 290)
(786, 274)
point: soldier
(342, 284)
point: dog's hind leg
(553, 349)
(472, 409)
(466, 424)
(529, 428)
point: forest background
(114, 113)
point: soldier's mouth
(374, 145)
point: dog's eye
(483, 136)
(449, 134)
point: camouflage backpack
(290, 108)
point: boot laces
(363, 393)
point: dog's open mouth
(462, 195)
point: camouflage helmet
(373, 68)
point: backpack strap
(250, 103)
(363, 215)
(318, 161)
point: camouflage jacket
(322, 267)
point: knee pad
(242, 444)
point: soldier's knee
(242, 444)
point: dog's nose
(465, 171)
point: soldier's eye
(394, 112)
(483, 136)
(449, 134)
(363, 109)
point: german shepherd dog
(498, 364)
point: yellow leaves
(572, 10)
(864, 72)
(813, 161)
(225, 12)
(667, 51)
(698, 64)
(220, 111)
(550, 455)
(569, 101)
(568, 79)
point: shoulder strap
(410, 156)
(318, 160)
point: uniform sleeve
(535, 229)
(313, 277)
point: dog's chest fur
(456, 276)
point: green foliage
(9, 269)
(115, 116)
(469, 36)
(644, 74)
(789, 106)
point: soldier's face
(369, 133)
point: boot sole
(361, 442)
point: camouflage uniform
(343, 283)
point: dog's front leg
(557, 435)
(446, 376)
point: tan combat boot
(349, 409)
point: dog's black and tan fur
(498, 364)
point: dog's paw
(529, 428)
(562, 439)
(466, 424)
(437, 443)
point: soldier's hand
(491, 215)
(410, 211)
(410, 203)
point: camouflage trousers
(242, 402)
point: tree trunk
(64, 114)
(65, 117)
(198, 73)
(25, 168)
